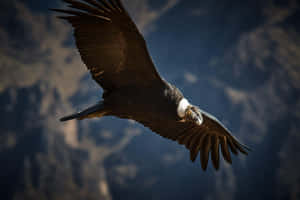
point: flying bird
(116, 55)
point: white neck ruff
(182, 106)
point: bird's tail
(93, 111)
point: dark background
(239, 60)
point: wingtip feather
(204, 153)
(215, 152)
(225, 150)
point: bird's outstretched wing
(206, 138)
(110, 44)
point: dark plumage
(116, 54)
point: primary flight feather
(116, 55)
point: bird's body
(155, 102)
(116, 54)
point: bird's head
(193, 114)
(189, 113)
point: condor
(116, 55)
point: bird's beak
(189, 114)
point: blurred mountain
(237, 60)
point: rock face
(238, 61)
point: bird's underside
(116, 55)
